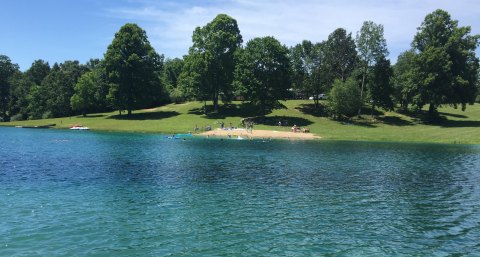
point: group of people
(296, 129)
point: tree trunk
(129, 112)
(205, 107)
(432, 110)
(361, 94)
(215, 101)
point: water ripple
(67, 194)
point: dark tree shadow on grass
(92, 116)
(145, 116)
(394, 121)
(311, 110)
(459, 123)
(460, 116)
(285, 120)
(243, 110)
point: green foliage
(404, 86)
(262, 73)
(84, 96)
(340, 56)
(372, 48)
(133, 68)
(446, 66)
(7, 70)
(211, 60)
(21, 85)
(58, 87)
(38, 71)
(17, 117)
(309, 71)
(344, 98)
(172, 69)
(380, 87)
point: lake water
(79, 193)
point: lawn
(455, 126)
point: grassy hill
(454, 126)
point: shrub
(47, 115)
(344, 98)
(17, 117)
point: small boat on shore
(79, 127)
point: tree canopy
(133, 68)
(213, 49)
(446, 67)
(262, 73)
(7, 70)
(372, 48)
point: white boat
(79, 128)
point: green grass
(454, 127)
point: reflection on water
(70, 193)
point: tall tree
(308, 68)
(7, 70)
(446, 65)
(192, 81)
(215, 45)
(57, 89)
(380, 86)
(262, 73)
(371, 46)
(340, 55)
(20, 88)
(38, 71)
(133, 68)
(170, 76)
(88, 92)
(404, 86)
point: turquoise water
(82, 193)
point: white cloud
(170, 24)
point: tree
(371, 46)
(7, 70)
(262, 73)
(20, 88)
(340, 55)
(380, 85)
(344, 98)
(446, 65)
(133, 68)
(403, 84)
(57, 89)
(192, 82)
(170, 76)
(38, 71)
(21, 84)
(214, 45)
(308, 68)
(84, 96)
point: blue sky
(59, 30)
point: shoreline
(256, 133)
(249, 135)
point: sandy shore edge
(266, 134)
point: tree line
(441, 68)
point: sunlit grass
(455, 127)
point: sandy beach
(268, 134)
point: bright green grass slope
(459, 127)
